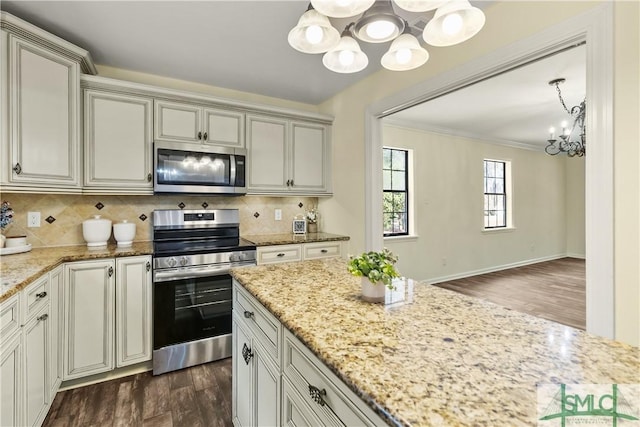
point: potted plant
(312, 220)
(6, 217)
(377, 271)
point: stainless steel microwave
(196, 168)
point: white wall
(448, 195)
(574, 206)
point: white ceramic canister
(124, 232)
(96, 231)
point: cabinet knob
(41, 294)
(280, 255)
(288, 182)
(148, 266)
(317, 395)
(248, 314)
(17, 168)
(149, 177)
(324, 251)
(200, 136)
(110, 271)
(247, 354)
(204, 137)
(43, 317)
(292, 183)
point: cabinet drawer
(302, 368)
(322, 250)
(283, 253)
(9, 316)
(295, 412)
(266, 327)
(35, 296)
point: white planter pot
(372, 292)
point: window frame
(506, 194)
(406, 191)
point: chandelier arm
(560, 97)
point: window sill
(408, 238)
(498, 230)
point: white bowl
(15, 241)
(96, 231)
(124, 232)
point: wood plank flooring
(554, 290)
(199, 396)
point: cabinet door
(241, 378)
(266, 389)
(44, 116)
(117, 141)
(223, 128)
(55, 329)
(12, 383)
(177, 122)
(133, 310)
(36, 350)
(267, 154)
(89, 318)
(308, 150)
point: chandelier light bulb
(346, 57)
(341, 8)
(314, 34)
(403, 56)
(344, 3)
(452, 24)
(564, 124)
(380, 30)
(405, 53)
(552, 132)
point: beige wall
(70, 210)
(574, 206)
(449, 204)
(506, 22)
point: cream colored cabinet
(37, 335)
(118, 143)
(298, 252)
(182, 122)
(56, 287)
(11, 363)
(288, 157)
(133, 310)
(89, 296)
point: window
(495, 194)
(395, 186)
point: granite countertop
(438, 358)
(290, 238)
(18, 270)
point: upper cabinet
(183, 122)
(288, 157)
(117, 143)
(41, 108)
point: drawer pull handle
(110, 271)
(248, 314)
(280, 255)
(324, 251)
(41, 295)
(148, 266)
(149, 177)
(247, 354)
(200, 136)
(17, 169)
(317, 395)
(204, 137)
(43, 317)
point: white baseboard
(456, 276)
(574, 255)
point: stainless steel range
(194, 251)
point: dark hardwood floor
(553, 290)
(195, 397)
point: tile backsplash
(62, 215)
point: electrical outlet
(33, 219)
(278, 214)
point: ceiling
(242, 45)
(515, 108)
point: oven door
(189, 307)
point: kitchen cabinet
(256, 374)
(89, 296)
(107, 315)
(133, 310)
(298, 252)
(118, 143)
(194, 123)
(37, 353)
(11, 362)
(288, 157)
(56, 287)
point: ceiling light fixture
(572, 140)
(454, 22)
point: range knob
(234, 257)
(172, 262)
(184, 261)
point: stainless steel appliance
(196, 168)
(194, 251)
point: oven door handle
(191, 272)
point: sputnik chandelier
(376, 22)
(572, 140)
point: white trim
(398, 239)
(457, 276)
(574, 255)
(498, 230)
(596, 27)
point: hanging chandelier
(572, 139)
(455, 21)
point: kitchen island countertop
(18, 270)
(291, 239)
(440, 358)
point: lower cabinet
(298, 252)
(37, 353)
(12, 385)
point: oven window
(191, 309)
(176, 167)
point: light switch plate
(278, 214)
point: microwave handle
(232, 170)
